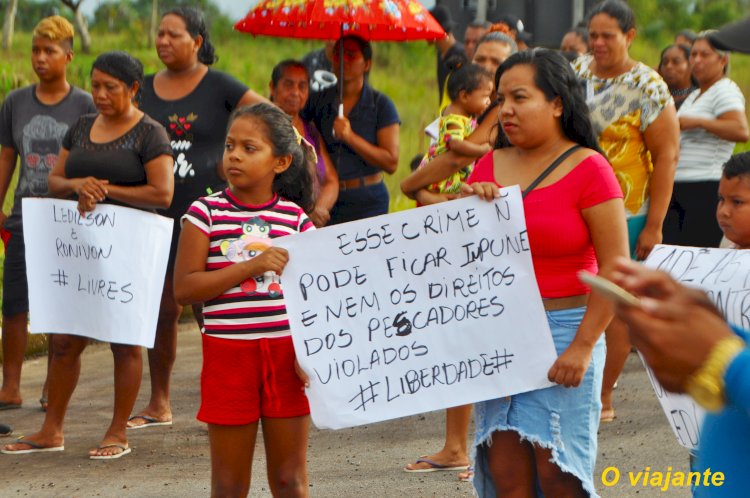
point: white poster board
(416, 311)
(98, 276)
(725, 276)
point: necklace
(681, 92)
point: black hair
(685, 50)
(582, 32)
(689, 34)
(364, 46)
(120, 65)
(295, 183)
(617, 9)
(554, 76)
(737, 165)
(195, 24)
(282, 67)
(464, 77)
(415, 162)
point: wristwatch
(706, 385)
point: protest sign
(724, 274)
(99, 275)
(417, 311)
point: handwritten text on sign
(417, 311)
(725, 276)
(99, 275)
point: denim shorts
(565, 420)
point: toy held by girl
(469, 87)
(226, 259)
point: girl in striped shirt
(226, 259)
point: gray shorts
(15, 286)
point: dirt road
(362, 462)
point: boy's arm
(8, 157)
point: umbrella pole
(341, 72)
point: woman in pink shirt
(546, 439)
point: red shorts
(244, 380)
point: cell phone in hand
(608, 289)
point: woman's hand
(675, 327)
(320, 216)
(91, 188)
(646, 241)
(570, 367)
(487, 191)
(86, 204)
(90, 192)
(342, 129)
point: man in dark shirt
(447, 48)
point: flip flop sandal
(4, 405)
(435, 467)
(149, 422)
(34, 448)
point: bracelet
(706, 385)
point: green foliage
(716, 13)
(29, 13)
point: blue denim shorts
(565, 420)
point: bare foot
(467, 475)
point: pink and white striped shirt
(237, 232)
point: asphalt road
(362, 462)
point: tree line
(136, 16)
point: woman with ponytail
(250, 375)
(193, 102)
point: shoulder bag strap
(550, 169)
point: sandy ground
(363, 462)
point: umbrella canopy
(375, 20)
(734, 37)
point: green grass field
(403, 71)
